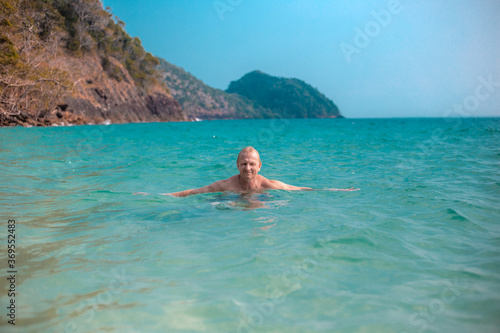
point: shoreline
(67, 119)
(23, 121)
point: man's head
(248, 163)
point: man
(248, 180)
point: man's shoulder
(268, 183)
(231, 179)
(228, 183)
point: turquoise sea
(416, 249)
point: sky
(373, 59)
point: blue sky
(427, 58)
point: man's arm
(277, 185)
(214, 187)
(344, 189)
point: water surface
(417, 249)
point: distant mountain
(255, 95)
(201, 101)
(290, 98)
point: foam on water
(416, 249)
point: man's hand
(180, 194)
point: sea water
(416, 249)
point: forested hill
(71, 62)
(256, 95)
(291, 98)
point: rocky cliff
(69, 62)
(98, 98)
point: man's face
(249, 165)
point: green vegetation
(8, 54)
(6, 7)
(113, 70)
(5, 23)
(289, 98)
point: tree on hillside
(91, 19)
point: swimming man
(249, 164)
